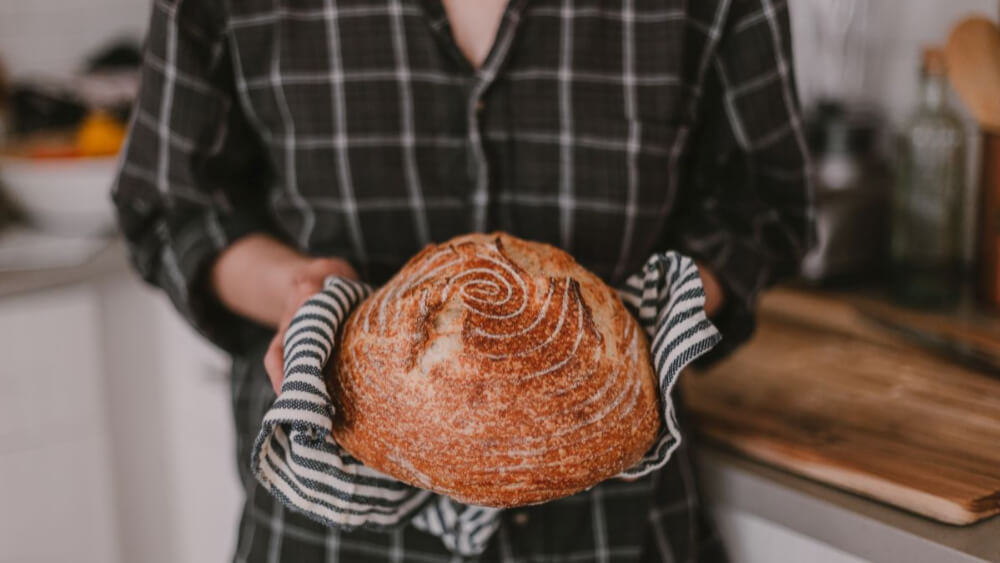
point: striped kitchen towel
(296, 458)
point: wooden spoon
(973, 58)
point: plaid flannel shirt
(356, 128)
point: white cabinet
(201, 439)
(55, 464)
(750, 539)
(173, 431)
(116, 438)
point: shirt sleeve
(192, 172)
(746, 211)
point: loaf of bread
(496, 371)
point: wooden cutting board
(822, 392)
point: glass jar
(928, 196)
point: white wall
(894, 33)
(53, 37)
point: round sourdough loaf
(496, 371)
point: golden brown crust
(496, 371)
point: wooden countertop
(826, 391)
(969, 328)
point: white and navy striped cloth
(296, 458)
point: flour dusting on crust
(496, 371)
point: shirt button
(521, 518)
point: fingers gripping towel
(296, 458)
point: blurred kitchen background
(115, 425)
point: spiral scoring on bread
(470, 375)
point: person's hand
(715, 295)
(265, 280)
(306, 281)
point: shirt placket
(478, 166)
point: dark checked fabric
(354, 128)
(298, 460)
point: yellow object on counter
(99, 135)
